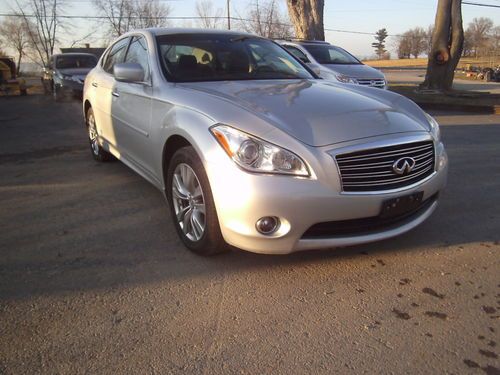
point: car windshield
(71, 62)
(326, 54)
(206, 57)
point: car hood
(316, 112)
(356, 70)
(75, 71)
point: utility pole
(228, 16)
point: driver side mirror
(128, 72)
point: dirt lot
(94, 280)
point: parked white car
(252, 150)
(334, 63)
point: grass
(422, 62)
(454, 100)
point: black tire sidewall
(212, 241)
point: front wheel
(192, 205)
(98, 153)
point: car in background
(66, 72)
(334, 63)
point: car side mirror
(128, 72)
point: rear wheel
(98, 153)
(56, 92)
(191, 204)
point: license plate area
(401, 205)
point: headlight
(256, 155)
(435, 132)
(345, 79)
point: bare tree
(210, 17)
(125, 15)
(265, 19)
(403, 46)
(414, 42)
(478, 34)
(447, 44)
(307, 18)
(42, 21)
(495, 39)
(15, 35)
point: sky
(396, 16)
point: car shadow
(70, 225)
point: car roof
(158, 31)
(305, 41)
(73, 54)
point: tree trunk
(447, 45)
(18, 67)
(307, 18)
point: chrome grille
(372, 170)
(376, 82)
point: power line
(481, 5)
(180, 18)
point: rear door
(132, 108)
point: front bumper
(71, 87)
(243, 198)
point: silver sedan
(252, 150)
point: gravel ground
(93, 278)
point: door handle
(115, 94)
(94, 84)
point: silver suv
(334, 63)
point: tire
(56, 92)
(189, 194)
(46, 89)
(98, 153)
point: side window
(115, 55)
(138, 53)
(297, 53)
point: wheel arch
(173, 143)
(86, 107)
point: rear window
(325, 54)
(72, 62)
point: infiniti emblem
(404, 166)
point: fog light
(268, 225)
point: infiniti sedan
(252, 150)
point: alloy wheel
(189, 202)
(94, 143)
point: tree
(42, 21)
(404, 46)
(14, 34)
(210, 18)
(495, 39)
(413, 42)
(477, 34)
(307, 18)
(379, 45)
(265, 19)
(447, 44)
(125, 15)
